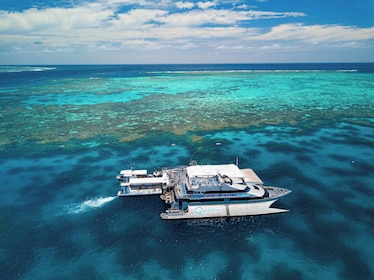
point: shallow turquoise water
(269, 90)
(62, 145)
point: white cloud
(138, 18)
(34, 20)
(138, 3)
(104, 26)
(271, 47)
(98, 17)
(221, 17)
(254, 15)
(317, 33)
(184, 5)
(243, 6)
(231, 47)
(206, 5)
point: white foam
(252, 71)
(17, 69)
(89, 204)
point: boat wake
(89, 204)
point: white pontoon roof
(147, 181)
(133, 172)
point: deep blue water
(26, 74)
(66, 131)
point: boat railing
(217, 195)
(201, 195)
(175, 168)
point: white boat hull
(223, 210)
(156, 191)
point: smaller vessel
(139, 182)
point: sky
(166, 31)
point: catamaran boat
(204, 191)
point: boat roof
(229, 170)
(251, 176)
(210, 178)
(130, 172)
(147, 181)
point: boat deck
(168, 197)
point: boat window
(266, 194)
(223, 191)
(223, 199)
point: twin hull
(222, 210)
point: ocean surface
(67, 131)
